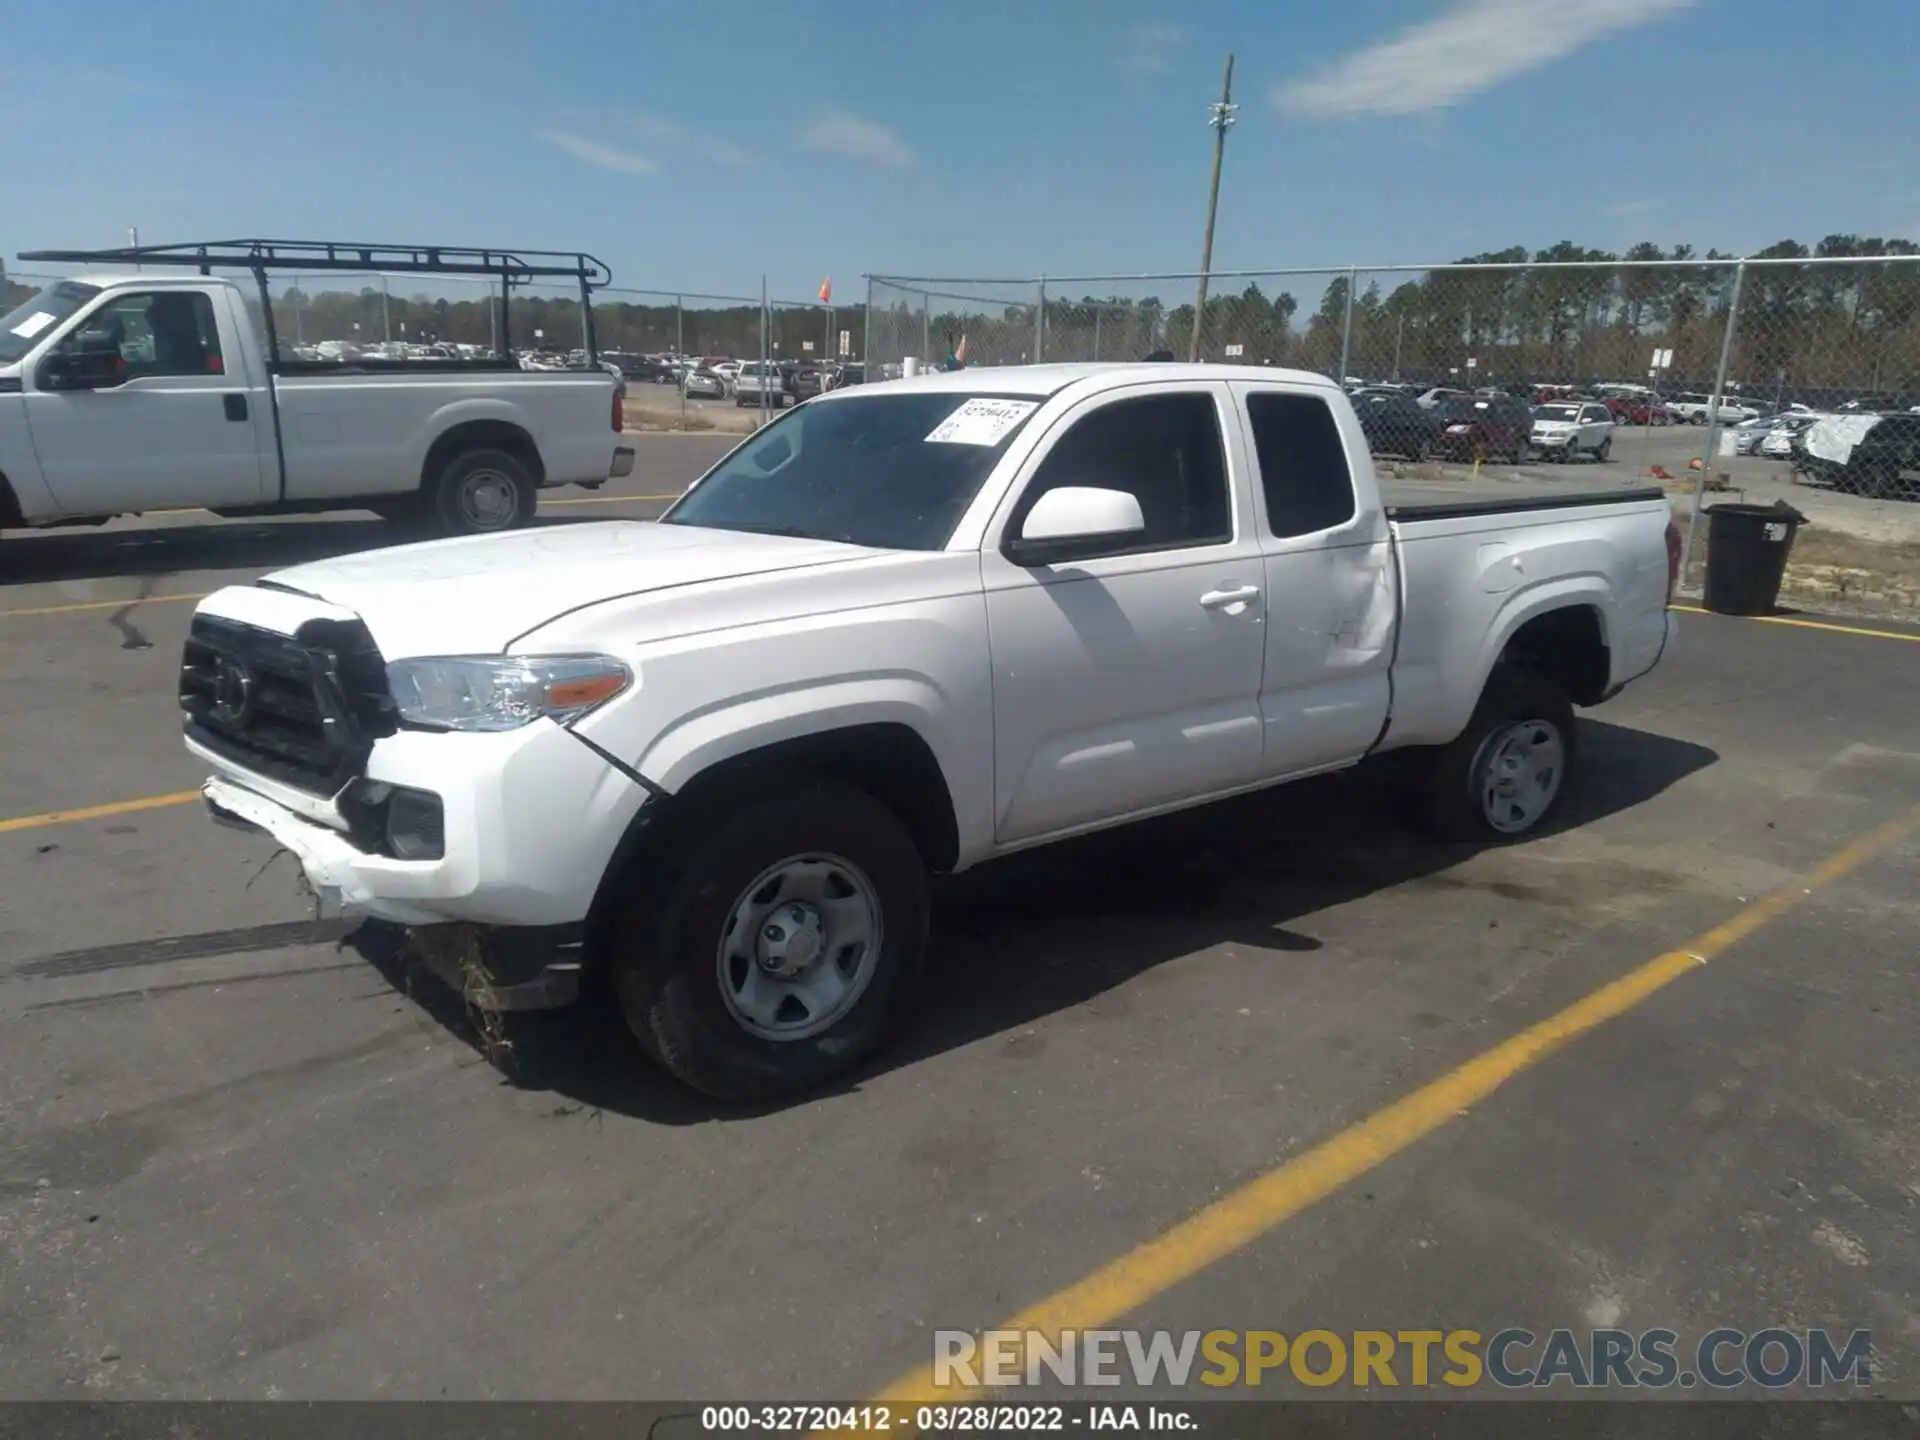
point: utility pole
(1221, 119)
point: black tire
(1605, 452)
(1451, 806)
(666, 957)
(482, 492)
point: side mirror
(1075, 519)
(82, 370)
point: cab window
(155, 333)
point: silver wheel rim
(1517, 774)
(489, 500)
(800, 947)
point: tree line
(1805, 327)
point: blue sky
(696, 146)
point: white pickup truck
(907, 628)
(134, 392)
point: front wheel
(1501, 778)
(781, 943)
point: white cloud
(682, 136)
(607, 157)
(844, 134)
(1472, 46)
(1148, 46)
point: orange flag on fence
(826, 290)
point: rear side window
(1303, 465)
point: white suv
(1567, 429)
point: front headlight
(503, 692)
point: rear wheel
(783, 940)
(1501, 778)
(479, 492)
(1605, 452)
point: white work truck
(905, 629)
(138, 391)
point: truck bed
(1420, 499)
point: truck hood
(477, 595)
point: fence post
(1707, 456)
(1346, 330)
(866, 337)
(680, 349)
(926, 325)
(1040, 323)
(1096, 332)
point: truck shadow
(218, 545)
(1027, 937)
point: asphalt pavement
(244, 1152)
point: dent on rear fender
(1367, 610)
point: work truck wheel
(1502, 777)
(780, 944)
(479, 492)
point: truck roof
(1041, 380)
(146, 279)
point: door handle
(1226, 599)
(235, 406)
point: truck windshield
(21, 329)
(894, 472)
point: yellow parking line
(99, 812)
(97, 605)
(610, 499)
(1124, 1285)
(1802, 624)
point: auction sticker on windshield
(981, 422)
(34, 324)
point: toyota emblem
(233, 692)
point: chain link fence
(1809, 363)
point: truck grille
(303, 710)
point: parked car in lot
(122, 393)
(1777, 443)
(1440, 394)
(906, 629)
(1692, 408)
(1638, 410)
(1395, 424)
(1872, 455)
(1566, 432)
(758, 380)
(1485, 427)
(704, 385)
(1771, 434)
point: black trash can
(1747, 549)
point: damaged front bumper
(493, 967)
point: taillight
(1673, 559)
(619, 410)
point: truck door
(1331, 596)
(1129, 678)
(170, 427)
